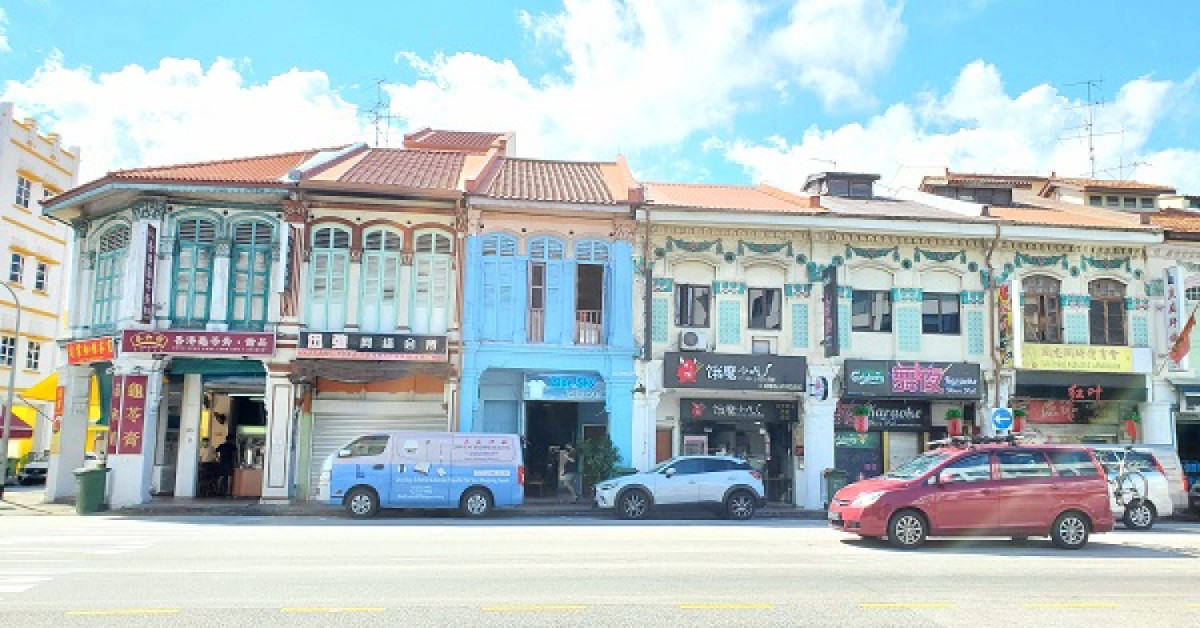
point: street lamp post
(12, 382)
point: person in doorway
(568, 470)
(227, 461)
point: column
(1158, 424)
(818, 443)
(131, 473)
(218, 312)
(164, 280)
(67, 455)
(405, 296)
(619, 404)
(280, 402)
(304, 487)
(82, 280)
(468, 399)
(188, 460)
(158, 485)
(353, 284)
(645, 428)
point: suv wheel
(1070, 530)
(1139, 515)
(633, 504)
(907, 529)
(740, 506)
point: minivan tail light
(521, 475)
(756, 475)
(1159, 467)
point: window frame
(965, 477)
(250, 252)
(197, 303)
(24, 191)
(941, 298)
(109, 272)
(16, 269)
(1108, 303)
(1046, 470)
(885, 325)
(1048, 318)
(382, 266)
(8, 351)
(333, 302)
(764, 325)
(431, 306)
(680, 309)
(33, 355)
(41, 276)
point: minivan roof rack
(968, 441)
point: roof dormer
(844, 184)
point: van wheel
(1070, 530)
(633, 504)
(1140, 515)
(475, 503)
(907, 530)
(362, 502)
(740, 506)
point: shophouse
(548, 331)
(33, 166)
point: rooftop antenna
(1089, 126)
(381, 115)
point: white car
(726, 484)
(1140, 514)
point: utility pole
(6, 424)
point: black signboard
(1080, 386)
(895, 415)
(829, 303)
(737, 410)
(915, 380)
(723, 371)
(355, 346)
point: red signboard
(148, 274)
(91, 350)
(60, 408)
(127, 422)
(1046, 411)
(198, 342)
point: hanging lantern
(954, 422)
(862, 419)
(1018, 420)
(1131, 425)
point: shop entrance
(765, 445)
(549, 425)
(233, 439)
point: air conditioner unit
(693, 340)
(1191, 403)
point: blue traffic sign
(1002, 418)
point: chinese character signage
(1004, 324)
(886, 414)
(148, 274)
(347, 346)
(1077, 358)
(723, 371)
(198, 342)
(91, 350)
(918, 380)
(1174, 312)
(127, 421)
(1044, 411)
(736, 410)
(829, 313)
(563, 387)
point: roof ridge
(557, 161)
(229, 160)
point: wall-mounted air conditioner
(693, 340)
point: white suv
(727, 484)
(1140, 514)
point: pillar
(187, 464)
(1158, 425)
(619, 404)
(818, 443)
(353, 285)
(277, 466)
(468, 400)
(304, 487)
(67, 454)
(131, 474)
(645, 426)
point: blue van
(471, 472)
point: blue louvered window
(250, 274)
(195, 246)
(110, 267)
(379, 302)
(431, 283)
(329, 265)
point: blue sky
(729, 91)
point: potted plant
(954, 421)
(1131, 425)
(862, 419)
(1019, 415)
(598, 461)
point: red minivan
(1014, 490)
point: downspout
(991, 293)
(647, 292)
(460, 219)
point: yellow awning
(47, 389)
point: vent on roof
(382, 240)
(331, 238)
(433, 243)
(114, 239)
(197, 230)
(499, 245)
(251, 233)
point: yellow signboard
(1077, 358)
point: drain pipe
(647, 292)
(991, 295)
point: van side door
(420, 477)
(362, 462)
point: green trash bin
(835, 480)
(90, 487)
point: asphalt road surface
(443, 571)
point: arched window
(1043, 322)
(112, 245)
(329, 262)
(591, 252)
(431, 283)
(546, 277)
(379, 302)
(1107, 312)
(195, 246)
(250, 274)
(543, 249)
(499, 245)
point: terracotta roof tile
(262, 169)
(474, 141)
(737, 197)
(971, 178)
(553, 181)
(407, 168)
(1109, 184)
(1177, 220)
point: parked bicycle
(1130, 485)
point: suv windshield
(917, 467)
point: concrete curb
(289, 510)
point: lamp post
(6, 422)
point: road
(100, 571)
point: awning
(1080, 386)
(47, 389)
(20, 429)
(365, 370)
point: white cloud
(181, 111)
(977, 126)
(4, 47)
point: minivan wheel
(907, 529)
(476, 503)
(1070, 530)
(633, 504)
(740, 506)
(362, 503)
(1139, 515)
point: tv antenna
(381, 115)
(1089, 125)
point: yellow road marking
(883, 605)
(332, 610)
(533, 608)
(124, 611)
(1073, 605)
(726, 606)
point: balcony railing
(537, 326)
(588, 328)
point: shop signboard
(898, 415)
(563, 387)
(91, 350)
(1080, 387)
(916, 380)
(737, 410)
(829, 312)
(722, 371)
(859, 455)
(1174, 311)
(1046, 411)
(127, 421)
(198, 342)
(1004, 323)
(1089, 358)
(356, 346)
(148, 274)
